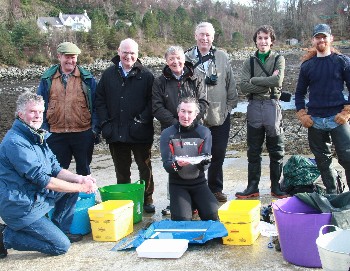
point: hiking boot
(220, 197)
(166, 211)
(74, 237)
(3, 250)
(149, 208)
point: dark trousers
(78, 145)
(121, 155)
(183, 197)
(320, 145)
(220, 135)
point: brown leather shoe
(221, 197)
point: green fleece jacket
(261, 85)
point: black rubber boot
(328, 176)
(3, 250)
(252, 190)
(276, 191)
(255, 140)
(275, 147)
(319, 142)
(275, 175)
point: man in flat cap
(69, 94)
(322, 75)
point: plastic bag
(196, 232)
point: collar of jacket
(53, 69)
(272, 53)
(192, 56)
(38, 136)
(181, 128)
(137, 66)
(188, 71)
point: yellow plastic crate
(111, 220)
(241, 234)
(241, 219)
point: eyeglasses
(129, 53)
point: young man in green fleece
(261, 80)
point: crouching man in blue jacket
(31, 182)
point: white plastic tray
(162, 248)
(193, 160)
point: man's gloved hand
(304, 118)
(343, 116)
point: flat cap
(322, 29)
(68, 48)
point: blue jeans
(220, 135)
(325, 124)
(44, 235)
(63, 214)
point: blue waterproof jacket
(89, 87)
(26, 166)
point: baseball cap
(322, 29)
(68, 48)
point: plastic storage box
(241, 219)
(111, 220)
(162, 248)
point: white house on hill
(77, 22)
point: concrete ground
(213, 255)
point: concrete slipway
(213, 255)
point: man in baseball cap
(326, 113)
(70, 116)
(322, 29)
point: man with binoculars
(214, 67)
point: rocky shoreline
(99, 65)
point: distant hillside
(156, 24)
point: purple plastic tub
(298, 226)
